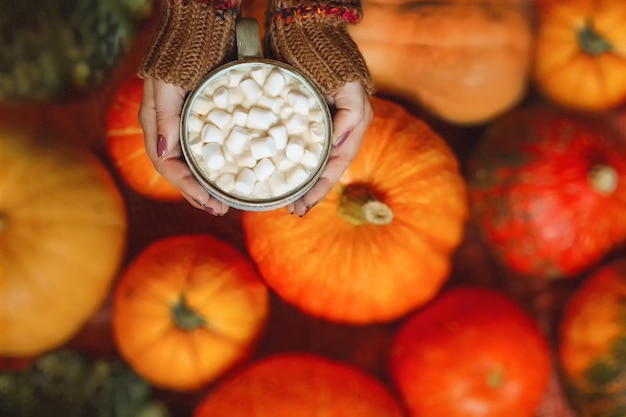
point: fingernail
(209, 210)
(161, 145)
(342, 138)
(308, 208)
(198, 202)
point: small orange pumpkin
(580, 53)
(379, 244)
(302, 385)
(62, 240)
(466, 61)
(186, 309)
(125, 144)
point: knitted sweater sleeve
(313, 37)
(192, 38)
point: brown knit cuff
(192, 38)
(313, 37)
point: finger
(169, 100)
(351, 103)
(147, 119)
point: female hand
(352, 118)
(159, 116)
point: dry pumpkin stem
(185, 317)
(603, 178)
(358, 206)
(592, 42)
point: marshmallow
(299, 102)
(309, 159)
(195, 145)
(277, 183)
(283, 163)
(259, 74)
(240, 116)
(194, 123)
(220, 97)
(201, 105)
(263, 169)
(237, 140)
(296, 123)
(212, 133)
(235, 77)
(294, 149)
(259, 118)
(274, 83)
(263, 147)
(245, 181)
(296, 176)
(235, 96)
(246, 160)
(317, 130)
(279, 134)
(213, 156)
(261, 190)
(250, 89)
(219, 118)
(271, 103)
(226, 182)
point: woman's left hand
(352, 118)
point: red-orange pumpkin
(471, 352)
(302, 385)
(187, 309)
(125, 144)
(379, 244)
(548, 190)
(592, 343)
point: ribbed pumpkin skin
(466, 61)
(592, 343)
(579, 57)
(125, 144)
(365, 273)
(302, 385)
(186, 309)
(548, 190)
(62, 239)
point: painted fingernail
(342, 138)
(161, 145)
(308, 208)
(198, 202)
(209, 210)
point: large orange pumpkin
(580, 53)
(125, 144)
(186, 309)
(302, 385)
(379, 244)
(62, 239)
(466, 61)
(592, 342)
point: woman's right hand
(159, 116)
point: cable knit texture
(192, 38)
(313, 37)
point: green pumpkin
(52, 49)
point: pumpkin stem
(603, 178)
(185, 317)
(358, 206)
(592, 42)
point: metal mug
(249, 53)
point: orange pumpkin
(580, 53)
(125, 144)
(62, 239)
(592, 341)
(466, 61)
(379, 244)
(186, 309)
(303, 385)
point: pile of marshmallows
(256, 131)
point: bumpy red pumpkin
(379, 244)
(125, 144)
(548, 190)
(471, 352)
(186, 309)
(592, 341)
(302, 385)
